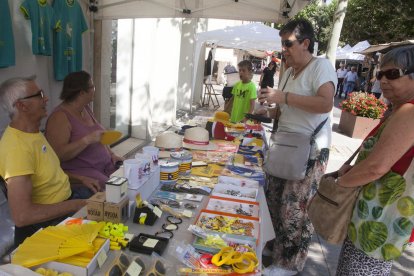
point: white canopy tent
(253, 10)
(253, 36)
(350, 54)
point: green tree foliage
(378, 21)
(321, 17)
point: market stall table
(182, 234)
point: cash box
(116, 189)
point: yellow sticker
(134, 269)
(157, 211)
(102, 258)
(150, 243)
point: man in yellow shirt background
(38, 190)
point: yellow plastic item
(241, 262)
(55, 243)
(110, 137)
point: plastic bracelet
(169, 227)
(286, 98)
(174, 220)
(165, 232)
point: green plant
(364, 105)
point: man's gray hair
(11, 91)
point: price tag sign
(157, 211)
(134, 269)
(129, 236)
(150, 243)
(102, 258)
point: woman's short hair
(12, 90)
(302, 29)
(245, 64)
(401, 57)
(73, 84)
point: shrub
(364, 105)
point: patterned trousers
(354, 262)
(288, 201)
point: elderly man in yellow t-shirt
(38, 190)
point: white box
(77, 270)
(116, 189)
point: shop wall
(28, 64)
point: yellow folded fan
(110, 137)
(55, 243)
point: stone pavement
(323, 257)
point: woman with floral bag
(383, 216)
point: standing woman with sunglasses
(75, 135)
(305, 96)
(383, 217)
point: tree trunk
(338, 20)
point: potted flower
(361, 112)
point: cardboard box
(116, 188)
(95, 207)
(116, 212)
(77, 270)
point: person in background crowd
(38, 190)
(351, 81)
(267, 76)
(383, 217)
(75, 135)
(305, 97)
(376, 87)
(229, 68)
(244, 93)
(341, 73)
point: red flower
(364, 105)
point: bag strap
(283, 88)
(353, 156)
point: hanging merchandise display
(7, 55)
(40, 14)
(68, 25)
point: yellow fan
(56, 242)
(110, 136)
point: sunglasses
(393, 74)
(136, 265)
(120, 266)
(289, 43)
(158, 269)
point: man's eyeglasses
(38, 93)
(393, 74)
(288, 43)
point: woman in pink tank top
(75, 134)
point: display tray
(241, 208)
(238, 181)
(235, 192)
(228, 223)
(231, 240)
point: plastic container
(168, 171)
(184, 158)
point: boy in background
(244, 93)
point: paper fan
(110, 136)
(56, 242)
